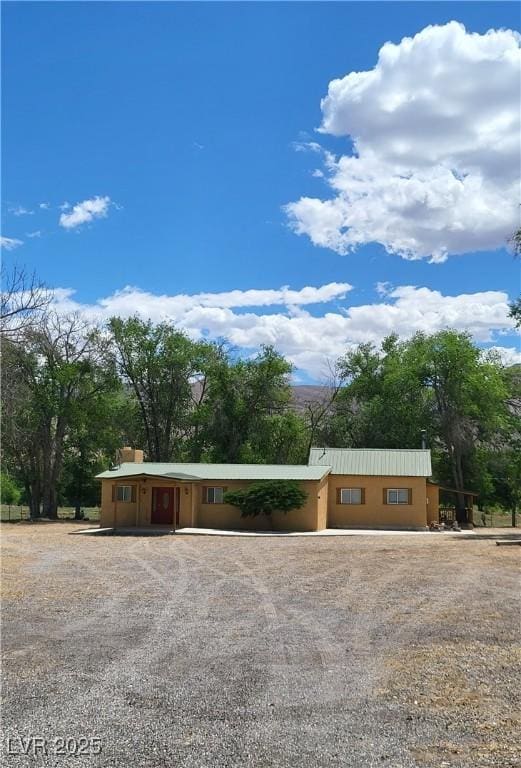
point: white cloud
(36, 233)
(10, 243)
(309, 341)
(64, 206)
(508, 355)
(44, 206)
(19, 210)
(84, 212)
(435, 167)
(158, 307)
(383, 288)
(307, 146)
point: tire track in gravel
(376, 620)
(148, 648)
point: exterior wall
(193, 512)
(225, 516)
(117, 513)
(127, 514)
(433, 506)
(374, 513)
(320, 511)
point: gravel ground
(304, 652)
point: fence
(12, 513)
(491, 518)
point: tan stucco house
(346, 488)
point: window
(398, 496)
(351, 495)
(214, 495)
(125, 493)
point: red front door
(165, 502)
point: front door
(165, 502)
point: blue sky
(194, 125)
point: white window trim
(214, 488)
(397, 502)
(126, 491)
(350, 490)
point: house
(378, 487)
(346, 488)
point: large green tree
(56, 379)
(468, 396)
(247, 416)
(441, 383)
(383, 403)
(160, 366)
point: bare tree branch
(23, 300)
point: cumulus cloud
(308, 340)
(436, 156)
(10, 243)
(130, 300)
(85, 212)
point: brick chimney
(127, 454)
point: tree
(515, 242)
(23, 300)
(9, 491)
(54, 382)
(515, 306)
(468, 397)
(383, 403)
(317, 412)
(503, 469)
(441, 383)
(99, 430)
(246, 399)
(266, 497)
(158, 365)
(515, 311)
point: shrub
(266, 497)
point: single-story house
(346, 488)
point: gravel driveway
(304, 652)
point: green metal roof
(194, 472)
(373, 461)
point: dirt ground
(267, 652)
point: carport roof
(385, 462)
(194, 472)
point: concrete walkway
(326, 532)
(165, 531)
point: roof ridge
(207, 464)
(400, 450)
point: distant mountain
(301, 395)
(308, 394)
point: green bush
(266, 497)
(9, 491)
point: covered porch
(448, 506)
(147, 501)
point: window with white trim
(214, 495)
(398, 495)
(124, 493)
(350, 495)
